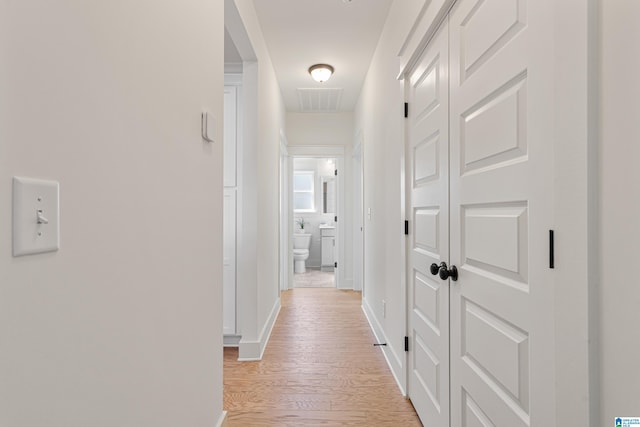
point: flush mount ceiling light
(321, 72)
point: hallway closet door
(428, 181)
(501, 93)
(481, 199)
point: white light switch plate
(33, 231)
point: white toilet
(301, 243)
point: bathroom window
(304, 191)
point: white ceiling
(300, 33)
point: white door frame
(285, 261)
(358, 215)
(337, 152)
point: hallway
(320, 368)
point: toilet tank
(301, 240)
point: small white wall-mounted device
(207, 125)
(36, 216)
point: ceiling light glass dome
(321, 72)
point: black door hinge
(335, 265)
(552, 260)
(406, 343)
(335, 172)
(406, 110)
(335, 218)
(406, 227)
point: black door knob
(444, 271)
(435, 268)
(449, 273)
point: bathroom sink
(327, 226)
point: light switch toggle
(41, 218)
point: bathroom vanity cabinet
(327, 246)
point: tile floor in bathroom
(314, 278)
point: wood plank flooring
(314, 278)
(319, 368)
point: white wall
(379, 118)
(320, 129)
(326, 130)
(258, 290)
(122, 326)
(619, 209)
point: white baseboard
(249, 351)
(395, 363)
(253, 350)
(221, 419)
(346, 284)
(231, 340)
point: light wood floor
(319, 368)
(314, 278)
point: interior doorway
(317, 161)
(240, 204)
(314, 195)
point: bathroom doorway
(316, 201)
(314, 216)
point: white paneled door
(495, 177)
(502, 342)
(428, 181)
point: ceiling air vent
(320, 100)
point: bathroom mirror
(328, 194)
